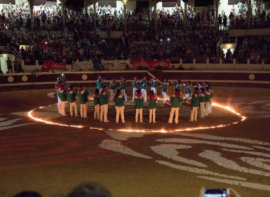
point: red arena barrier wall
(232, 78)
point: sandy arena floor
(50, 158)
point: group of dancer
(198, 96)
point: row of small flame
(131, 130)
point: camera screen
(215, 193)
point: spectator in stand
(225, 22)
(9, 65)
(181, 67)
(229, 56)
(219, 21)
(17, 65)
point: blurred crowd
(70, 45)
(79, 42)
(260, 18)
(49, 17)
(254, 48)
(175, 45)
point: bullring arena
(48, 153)
(222, 47)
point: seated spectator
(228, 54)
(101, 67)
(181, 67)
(127, 67)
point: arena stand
(90, 39)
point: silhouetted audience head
(90, 190)
(28, 194)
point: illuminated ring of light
(30, 115)
(130, 130)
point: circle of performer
(197, 97)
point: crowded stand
(68, 45)
(254, 48)
(49, 17)
(174, 34)
(261, 20)
(54, 46)
(175, 45)
(196, 19)
(245, 16)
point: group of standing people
(197, 96)
(201, 98)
